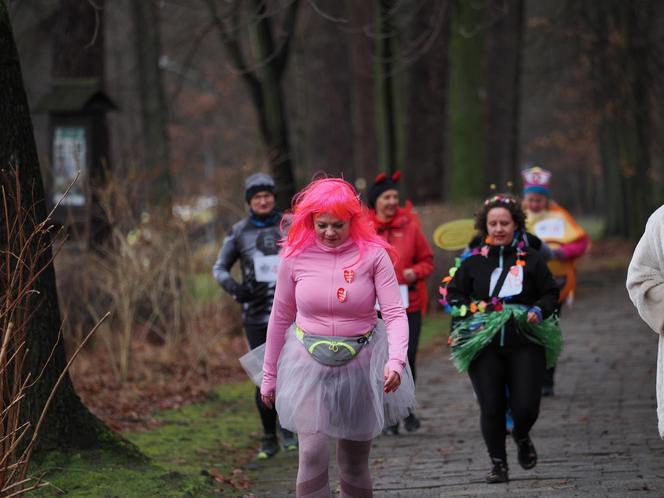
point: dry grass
(171, 335)
(26, 253)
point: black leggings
(256, 335)
(521, 369)
(414, 328)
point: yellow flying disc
(455, 234)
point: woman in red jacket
(401, 227)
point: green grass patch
(196, 452)
(435, 329)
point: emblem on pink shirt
(349, 275)
(341, 294)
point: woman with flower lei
(502, 296)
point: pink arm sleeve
(391, 309)
(575, 249)
(283, 315)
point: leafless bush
(25, 254)
(139, 273)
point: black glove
(242, 293)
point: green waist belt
(332, 351)
(471, 335)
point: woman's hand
(534, 315)
(268, 399)
(409, 275)
(392, 380)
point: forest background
(455, 94)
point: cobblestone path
(596, 437)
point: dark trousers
(256, 335)
(521, 369)
(414, 328)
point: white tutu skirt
(343, 401)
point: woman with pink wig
(330, 366)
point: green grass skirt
(471, 335)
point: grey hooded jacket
(246, 241)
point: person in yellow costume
(566, 239)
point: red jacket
(404, 232)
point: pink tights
(353, 461)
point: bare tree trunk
(69, 424)
(264, 79)
(621, 54)
(154, 113)
(503, 91)
(386, 85)
(466, 179)
(324, 136)
(365, 145)
(427, 103)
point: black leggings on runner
(521, 369)
(256, 335)
(414, 328)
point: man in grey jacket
(253, 241)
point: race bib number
(266, 268)
(513, 284)
(403, 290)
(550, 229)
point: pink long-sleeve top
(307, 293)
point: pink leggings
(353, 461)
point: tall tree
(389, 114)
(69, 424)
(321, 47)
(503, 91)
(154, 114)
(466, 178)
(363, 104)
(426, 126)
(240, 24)
(621, 51)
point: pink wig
(338, 198)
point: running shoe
(289, 442)
(527, 455)
(498, 472)
(269, 447)
(411, 423)
(392, 430)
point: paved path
(596, 437)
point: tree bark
(387, 112)
(427, 103)
(365, 144)
(466, 179)
(264, 79)
(321, 110)
(154, 113)
(68, 424)
(503, 74)
(621, 52)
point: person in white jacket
(645, 285)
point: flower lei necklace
(481, 306)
